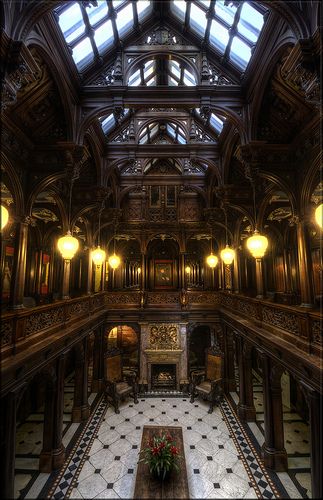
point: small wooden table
(176, 485)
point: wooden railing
(296, 325)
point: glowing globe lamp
(98, 256)
(319, 215)
(114, 261)
(227, 255)
(212, 260)
(4, 217)
(68, 246)
(187, 269)
(257, 245)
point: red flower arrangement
(161, 455)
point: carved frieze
(163, 336)
(317, 332)
(163, 298)
(6, 333)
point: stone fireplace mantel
(154, 350)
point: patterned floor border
(65, 481)
(261, 482)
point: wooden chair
(118, 385)
(208, 383)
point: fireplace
(163, 376)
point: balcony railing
(296, 325)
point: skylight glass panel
(149, 68)
(171, 131)
(197, 19)
(108, 123)
(82, 51)
(124, 18)
(250, 23)
(216, 123)
(153, 132)
(189, 79)
(143, 139)
(151, 82)
(142, 8)
(171, 81)
(71, 22)
(175, 68)
(205, 2)
(240, 52)
(134, 79)
(181, 139)
(103, 36)
(179, 9)
(219, 35)
(117, 3)
(97, 13)
(225, 12)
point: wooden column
(52, 455)
(17, 285)
(38, 271)
(89, 273)
(98, 361)
(81, 408)
(315, 406)
(305, 265)
(273, 449)
(245, 409)
(9, 405)
(230, 381)
(236, 272)
(66, 279)
(259, 279)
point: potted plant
(161, 455)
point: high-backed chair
(118, 385)
(208, 383)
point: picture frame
(163, 274)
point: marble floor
(221, 457)
(297, 480)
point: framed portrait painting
(163, 274)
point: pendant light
(114, 259)
(4, 216)
(227, 254)
(257, 243)
(98, 255)
(68, 245)
(319, 215)
(212, 259)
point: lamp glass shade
(114, 261)
(212, 260)
(187, 269)
(319, 215)
(257, 245)
(227, 255)
(98, 256)
(4, 216)
(68, 246)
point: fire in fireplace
(163, 376)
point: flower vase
(160, 476)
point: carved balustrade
(19, 326)
(296, 325)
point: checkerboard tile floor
(220, 461)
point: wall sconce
(319, 215)
(68, 245)
(98, 255)
(4, 217)
(257, 243)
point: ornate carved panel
(163, 336)
(42, 320)
(281, 319)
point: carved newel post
(305, 264)
(81, 408)
(98, 360)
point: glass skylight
(233, 31)
(214, 121)
(107, 123)
(150, 132)
(92, 29)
